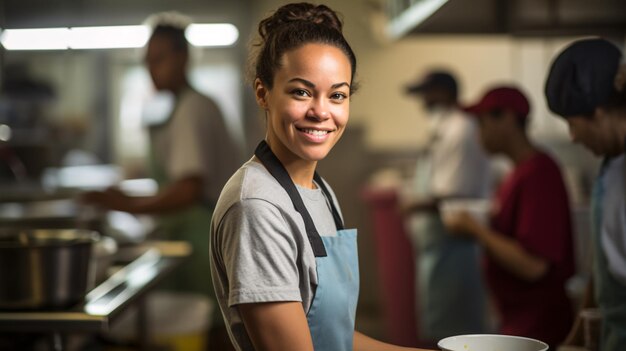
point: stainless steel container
(44, 269)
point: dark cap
(502, 98)
(434, 79)
(582, 77)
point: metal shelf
(104, 303)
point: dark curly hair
(292, 26)
(175, 35)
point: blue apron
(610, 294)
(450, 290)
(331, 314)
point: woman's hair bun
(293, 26)
(318, 14)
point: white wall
(396, 121)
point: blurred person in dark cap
(528, 244)
(587, 87)
(450, 291)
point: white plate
(488, 342)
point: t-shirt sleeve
(186, 156)
(259, 254)
(543, 226)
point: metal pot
(44, 269)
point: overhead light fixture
(110, 37)
(216, 34)
(35, 39)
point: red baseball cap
(502, 98)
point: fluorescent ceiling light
(216, 34)
(35, 39)
(111, 37)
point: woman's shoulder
(252, 181)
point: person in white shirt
(451, 294)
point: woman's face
(308, 106)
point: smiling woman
(307, 109)
(285, 270)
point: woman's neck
(301, 171)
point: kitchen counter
(104, 303)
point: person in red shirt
(529, 244)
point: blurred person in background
(587, 86)
(450, 290)
(529, 244)
(192, 155)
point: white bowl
(487, 342)
(477, 208)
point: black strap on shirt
(336, 216)
(278, 171)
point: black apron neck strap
(336, 216)
(278, 171)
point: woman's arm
(276, 326)
(365, 343)
(283, 326)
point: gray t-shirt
(196, 141)
(259, 248)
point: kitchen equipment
(488, 342)
(105, 304)
(44, 269)
(49, 214)
(103, 255)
